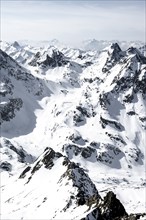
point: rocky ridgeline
(13, 154)
(86, 192)
(108, 208)
(132, 74)
(56, 60)
(11, 71)
(115, 54)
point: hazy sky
(72, 21)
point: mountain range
(73, 131)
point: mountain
(19, 91)
(25, 54)
(19, 53)
(143, 50)
(73, 133)
(69, 184)
(93, 44)
(77, 195)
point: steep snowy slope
(54, 184)
(93, 115)
(64, 193)
(19, 96)
(20, 91)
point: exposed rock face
(20, 152)
(108, 208)
(111, 209)
(139, 56)
(14, 77)
(143, 50)
(114, 55)
(71, 150)
(11, 71)
(105, 122)
(57, 59)
(9, 109)
(88, 152)
(83, 183)
(14, 154)
(6, 166)
(33, 62)
(47, 161)
(16, 44)
(83, 191)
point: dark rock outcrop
(87, 152)
(34, 61)
(9, 109)
(16, 44)
(6, 166)
(110, 208)
(115, 124)
(114, 56)
(86, 192)
(19, 151)
(56, 60)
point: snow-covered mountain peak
(51, 57)
(16, 44)
(77, 197)
(75, 192)
(143, 50)
(114, 47)
(140, 57)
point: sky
(72, 21)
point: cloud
(72, 21)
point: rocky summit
(73, 125)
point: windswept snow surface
(91, 108)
